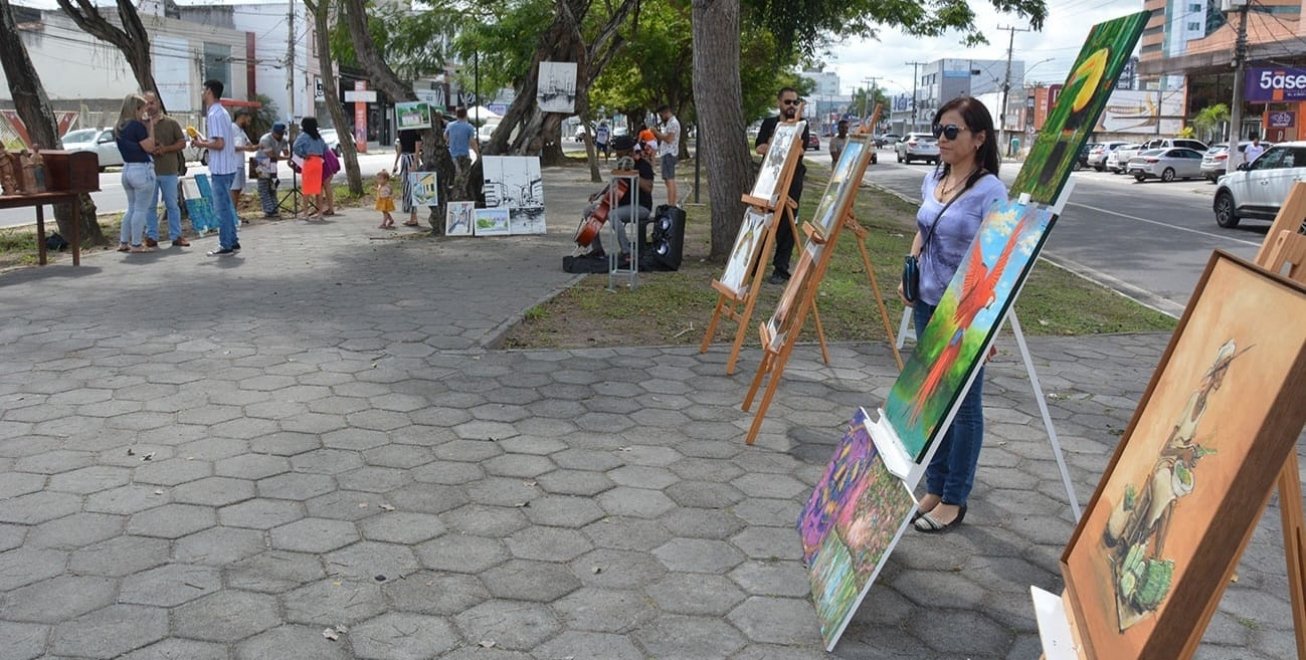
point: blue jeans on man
(951, 472)
(167, 185)
(225, 211)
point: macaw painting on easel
(968, 315)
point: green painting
(1085, 94)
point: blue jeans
(138, 182)
(225, 212)
(951, 472)
(167, 184)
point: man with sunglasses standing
(788, 101)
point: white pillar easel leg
(902, 327)
(1043, 410)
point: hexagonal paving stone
(704, 494)
(16, 484)
(426, 498)
(587, 459)
(327, 461)
(110, 631)
(403, 636)
(84, 481)
(789, 621)
(75, 531)
(23, 641)
(214, 491)
(227, 616)
(172, 471)
(371, 560)
(698, 556)
(574, 482)
(11, 536)
(683, 593)
(373, 479)
(605, 610)
(681, 636)
(297, 641)
(402, 527)
(521, 466)
(484, 520)
(548, 544)
(398, 456)
(345, 505)
(126, 499)
(635, 502)
(484, 430)
(36, 508)
(563, 511)
(768, 542)
(331, 602)
(120, 556)
(170, 585)
(643, 476)
(219, 546)
(519, 579)
(510, 625)
(295, 486)
(171, 521)
(768, 578)
(461, 553)
(617, 569)
(447, 473)
(467, 450)
(54, 462)
(59, 599)
(354, 439)
(627, 533)
(251, 466)
(770, 485)
(173, 649)
(431, 592)
(274, 571)
(702, 523)
(261, 513)
(314, 535)
(285, 443)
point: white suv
(918, 146)
(1257, 189)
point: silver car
(1166, 164)
(1098, 154)
(918, 146)
(1117, 160)
(98, 141)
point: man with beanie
(271, 148)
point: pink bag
(330, 164)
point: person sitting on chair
(625, 211)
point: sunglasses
(950, 131)
(790, 102)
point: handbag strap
(979, 174)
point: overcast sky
(1063, 33)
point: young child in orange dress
(385, 202)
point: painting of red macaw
(976, 301)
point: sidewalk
(220, 458)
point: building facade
(942, 80)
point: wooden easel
(1285, 245)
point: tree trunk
(131, 38)
(435, 149)
(330, 86)
(34, 109)
(718, 101)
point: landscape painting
(1085, 93)
(844, 182)
(412, 115)
(1162, 534)
(748, 246)
(952, 346)
(851, 522)
(458, 218)
(557, 87)
(780, 159)
(425, 191)
(491, 222)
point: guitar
(593, 223)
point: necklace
(946, 190)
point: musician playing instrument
(625, 211)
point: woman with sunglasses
(955, 197)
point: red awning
(235, 103)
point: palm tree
(1210, 121)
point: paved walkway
(209, 459)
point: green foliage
(1208, 121)
(654, 67)
(413, 43)
(503, 37)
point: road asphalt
(310, 450)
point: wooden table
(39, 200)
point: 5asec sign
(1272, 85)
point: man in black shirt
(788, 101)
(625, 211)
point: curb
(1145, 298)
(493, 338)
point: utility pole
(871, 94)
(1239, 62)
(290, 61)
(915, 77)
(1006, 84)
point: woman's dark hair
(309, 125)
(978, 120)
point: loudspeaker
(666, 246)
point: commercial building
(942, 80)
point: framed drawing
(851, 522)
(491, 222)
(556, 90)
(412, 115)
(526, 220)
(952, 346)
(784, 151)
(784, 318)
(1158, 542)
(842, 187)
(458, 218)
(748, 245)
(425, 191)
(1084, 95)
(512, 182)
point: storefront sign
(1282, 119)
(360, 118)
(1273, 85)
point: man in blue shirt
(462, 141)
(223, 164)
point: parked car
(887, 140)
(95, 140)
(1119, 158)
(1166, 164)
(1098, 154)
(1081, 161)
(917, 146)
(1216, 159)
(1258, 188)
(813, 142)
(1170, 143)
(332, 139)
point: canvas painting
(198, 194)
(748, 245)
(953, 344)
(785, 318)
(851, 522)
(425, 191)
(491, 222)
(458, 218)
(1190, 475)
(556, 91)
(412, 115)
(1086, 91)
(844, 181)
(526, 220)
(784, 150)
(513, 182)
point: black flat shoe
(924, 523)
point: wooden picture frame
(1159, 541)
